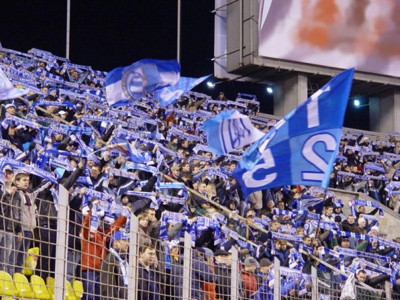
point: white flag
(7, 89)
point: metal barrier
(65, 257)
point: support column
(234, 274)
(133, 257)
(289, 93)
(187, 267)
(385, 113)
(62, 243)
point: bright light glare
(270, 90)
(210, 84)
(356, 103)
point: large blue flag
(230, 130)
(139, 79)
(301, 148)
(169, 95)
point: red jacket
(250, 284)
(94, 244)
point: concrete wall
(385, 112)
(289, 93)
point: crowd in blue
(154, 162)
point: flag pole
(319, 220)
(68, 29)
(178, 37)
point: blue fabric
(302, 147)
(169, 95)
(134, 154)
(139, 79)
(30, 169)
(230, 130)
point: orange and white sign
(364, 34)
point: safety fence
(66, 256)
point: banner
(139, 79)
(302, 147)
(230, 130)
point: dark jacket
(10, 213)
(200, 273)
(17, 216)
(147, 285)
(111, 280)
(45, 204)
(348, 227)
(223, 281)
(364, 294)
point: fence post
(314, 282)
(234, 273)
(277, 279)
(388, 290)
(187, 263)
(133, 256)
(61, 247)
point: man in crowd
(114, 271)
(148, 284)
(250, 284)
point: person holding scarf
(19, 204)
(94, 251)
(113, 274)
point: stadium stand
(149, 212)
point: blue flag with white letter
(230, 130)
(301, 148)
(139, 79)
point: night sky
(110, 34)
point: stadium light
(358, 104)
(210, 84)
(270, 90)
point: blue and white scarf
(286, 237)
(360, 202)
(29, 169)
(296, 261)
(375, 267)
(355, 253)
(123, 266)
(171, 199)
(171, 217)
(93, 194)
(19, 121)
(121, 173)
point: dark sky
(108, 34)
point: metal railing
(63, 261)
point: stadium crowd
(154, 162)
